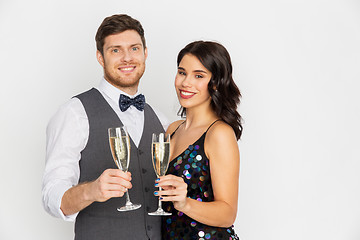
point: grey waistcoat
(101, 220)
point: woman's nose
(186, 82)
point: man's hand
(111, 183)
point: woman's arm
(223, 153)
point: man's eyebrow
(120, 46)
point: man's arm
(67, 135)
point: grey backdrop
(296, 63)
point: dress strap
(212, 124)
(176, 129)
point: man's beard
(122, 82)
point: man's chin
(123, 83)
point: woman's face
(191, 83)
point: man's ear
(100, 58)
(146, 53)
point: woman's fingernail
(156, 184)
(158, 179)
(160, 198)
(156, 193)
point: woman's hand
(174, 189)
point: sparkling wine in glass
(120, 149)
(160, 151)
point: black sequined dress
(193, 166)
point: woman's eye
(181, 73)
(198, 76)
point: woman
(201, 187)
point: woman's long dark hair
(225, 95)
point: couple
(201, 186)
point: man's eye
(135, 48)
(115, 50)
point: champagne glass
(160, 152)
(120, 149)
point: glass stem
(160, 203)
(127, 198)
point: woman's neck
(199, 117)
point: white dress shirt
(67, 135)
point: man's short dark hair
(117, 24)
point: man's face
(123, 60)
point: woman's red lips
(186, 94)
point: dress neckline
(189, 146)
(202, 135)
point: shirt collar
(113, 92)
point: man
(81, 180)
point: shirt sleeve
(66, 136)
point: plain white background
(297, 64)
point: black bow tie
(125, 102)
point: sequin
(193, 224)
(198, 157)
(207, 236)
(197, 147)
(193, 154)
(201, 234)
(187, 174)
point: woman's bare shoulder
(220, 132)
(172, 127)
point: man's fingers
(118, 173)
(120, 181)
(112, 183)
